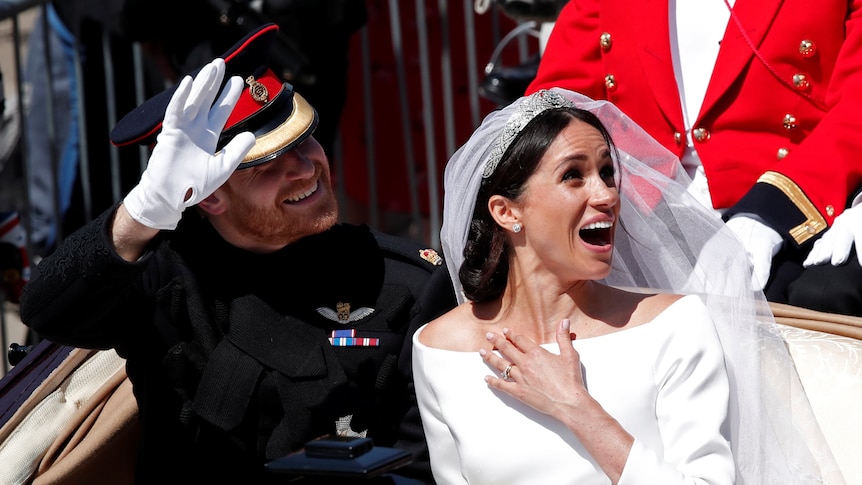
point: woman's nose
(604, 194)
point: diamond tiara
(528, 109)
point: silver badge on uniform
(342, 313)
(342, 428)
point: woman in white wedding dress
(549, 371)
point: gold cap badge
(257, 90)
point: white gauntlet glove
(836, 242)
(761, 243)
(184, 160)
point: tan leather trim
(814, 221)
(833, 323)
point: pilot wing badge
(343, 315)
(347, 337)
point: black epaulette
(408, 250)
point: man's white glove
(184, 168)
(836, 242)
(761, 244)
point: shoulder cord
(819, 103)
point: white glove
(761, 244)
(183, 169)
(836, 243)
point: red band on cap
(156, 128)
(247, 105)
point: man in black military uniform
(252, 322)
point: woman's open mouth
(597, 233)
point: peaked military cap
(279, 117)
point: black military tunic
(238, 358)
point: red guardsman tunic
(779, 134)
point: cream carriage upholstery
(827, 350)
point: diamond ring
(505, 373)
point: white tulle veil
(669, 242)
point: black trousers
(826, 288)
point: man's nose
(295, 164)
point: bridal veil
(669, 242)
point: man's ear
(213, 205)
(504, 211)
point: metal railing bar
(140, 96)
(51, 128)
(84, 145)
(472, 63)
(446, 79)
(370, 148)
(22, 141)
(110, 96)
(428, 122)
(398, 50)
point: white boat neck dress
(665, 382)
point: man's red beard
(280, 226)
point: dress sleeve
(445, 461)
(692, 398)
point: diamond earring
(516, 227)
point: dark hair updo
(485, 270)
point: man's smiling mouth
(302, 195)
